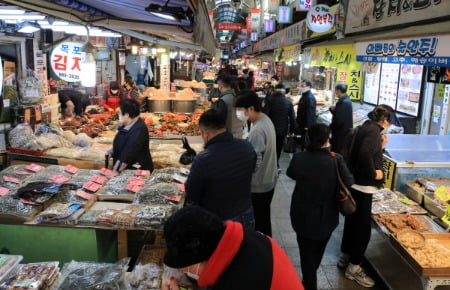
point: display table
(15, 158)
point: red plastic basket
(27, 151)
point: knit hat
(113, 85)
(192, 234)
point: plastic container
(7, 264)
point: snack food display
(33, 276)
(411, 239)
(432, 255)
(398, 222)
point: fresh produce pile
(91, 127)
(172, 123)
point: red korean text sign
(67, 61)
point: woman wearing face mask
(368, 171)
(112, 98)
(131, 144)
(314, 211)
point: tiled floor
(329, 276)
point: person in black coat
(367, 165)
(220, 176)
(72, 101)
(342, 120)
(306, 110)
(314, 207)
(281, 111)
(131, 144)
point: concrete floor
(329, 276)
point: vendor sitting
(112, 98)
(72, 101)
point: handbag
(290, 145)
(346, 203)
(188, 156)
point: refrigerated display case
(409, 157)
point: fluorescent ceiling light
(11, 10)
(161, 50)
(56, 23)
(28, 28)
(165, 16)
(28, 16)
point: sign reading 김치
(66, 61)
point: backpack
(348, 146)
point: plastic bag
(90, 276)
(145, 277)
(30, 89)
(22, 137)
(290, 145)
(188, 156)
(83, 140)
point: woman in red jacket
(221, 255)
(112, 98)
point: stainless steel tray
(413, 193)
(432, 205)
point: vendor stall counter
(409, 157)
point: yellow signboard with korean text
(343, 58)
(389, 167)
(287, 53)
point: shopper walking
(342, 120)
(314, 210)
(221, 175)
(367, 166)
(306, 110)
(281, 111)
(225, 106)
(224, 256)
(262, 137)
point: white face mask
(114, 91)
(192, 275)
(241, 116)
(304, 90)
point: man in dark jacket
(224, 256)
(342, 118)
(220, 177)
(281, 111)
(72, 101)
(306, 110)
(225, 106)
(131, 144)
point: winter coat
(225, 106)
(306, 112)
(281, 111)
(132, 146)
(220, 176)
(314, 208)
(248, 260)
(341, 123)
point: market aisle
(329, 276)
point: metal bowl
(180, 88)
(184, 106)
(159, 106)
(203, 91)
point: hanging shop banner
(271, 42)
(426, 50)
(248, 24)
(320, 18)
(291, 34)
(284, 14)
(254, 36)
(256, 18)
(288, 53)
(280, 70)
(304, 5)
(229, 26)
(1, 76)
(269, 25)
(343, 58)
(364, 15)
(66, 61)
(273, 5)
(165, 71)
(307, 33)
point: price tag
(92, 186)
(446, 217)
(11, 179)
(173, 197)
(22, 172)
(180, 179)
(443, 193)
(3, 191)
(59, 179)
(141, 172)
(406, 201)
(99, 179)
(71, 169)
(34, 167)
(105, 171)
(136, 181)
(26, 201)
(83, 194)
(133, 187)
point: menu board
(372, 84)
(409, 89)
(389, 84)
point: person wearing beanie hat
(112, 98)
(221, 255)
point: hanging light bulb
(135, 45)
